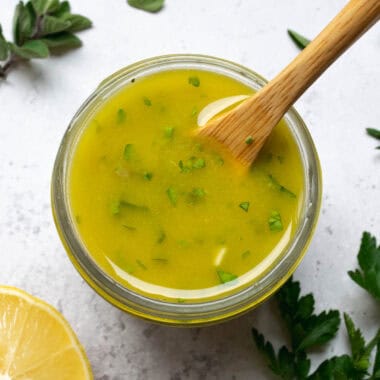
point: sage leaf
(31, 49)
(152, 6)
(63, 40)
(63, 9)
(51, 25)
(45, 6)
(4, 49)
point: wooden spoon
(245, 128)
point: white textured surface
(38, 100)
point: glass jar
(202, 312)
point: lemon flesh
(36, 342)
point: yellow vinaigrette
(169, 214)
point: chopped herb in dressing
(275, 222)
(225, 276)
(129, 228)
(245, 254)
(128, 152)
(148, 176)
(194, 81)
(196, 195)
(244, 206)
(121, 116)
(141, 264)
(172, 195)
(147, 101)
(276, 185)
(169, 132)
(192, 163)
(161, 237)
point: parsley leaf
(306, 329)
(275, 222)
(225, 276)
(152, 6)
(368, 276)
(336, 368)
(298, 39)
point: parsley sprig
(308, 330)
(39, 28)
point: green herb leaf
(121, 116)
(198, 163)
(129, 152)
(62, 10)
(169, 132)
(147, 101)
(245, 254)
(196, 195)
(194, 81)
(287, 365)
(244, 206)
(376, 366)
(172, 195)
(141, 264)
(276, 185)
(275, 222)
(373, 133)
(225, 276)
(336, 368)
(368, 276)
(192, 163)
(147, 5)
(4, 49)
(23, 22)
(148, 176)
(306, 329)
(31, 49)
(249, 140)
(63, 40)
(77, 22)
(299, 40)
(45, 6)
(51, 25)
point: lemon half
(36, 342)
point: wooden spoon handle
(340, 33)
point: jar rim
(204, 312)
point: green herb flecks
(172, 194)
(121, 116)
(180, 300)
(368, 276)
(276, 185)
(194, 111)
(152, 6)
(225, 277)
(194, 81)
(116, 206)
(126, 226)
(147, 101)
(169, 132)
(275, 222)
(161, 258)
(191, 163)
(141, 264)
(244, 206)
(161, 237)
(196, 195)
(249, 140)
(299, 40)
(40, 27)
(148, 176)
(245, 254)
(129, 152)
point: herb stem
(8, 65)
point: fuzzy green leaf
(63, 40)
(298, 39)
(23, 22)
(31, 49)
(4, 48)
(147, 5)
(368, 276)
(78, 22)
(52, 25)
(63, 9)
(45, 6)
